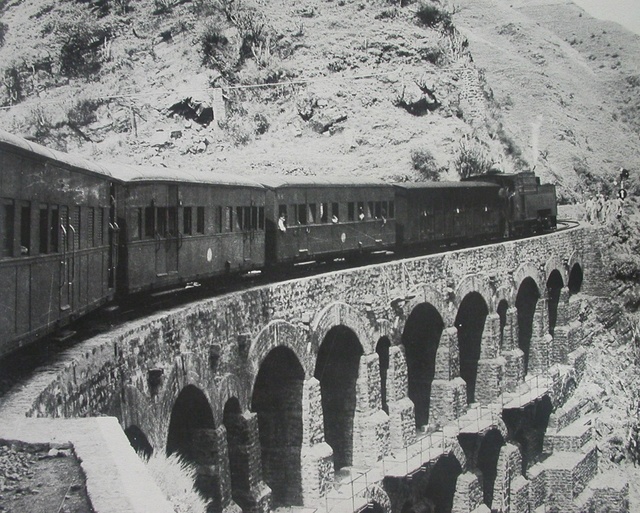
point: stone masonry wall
(218, 345)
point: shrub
(14, 85)
(214, 47)
(4, 28)
(471, 158)
(83, 112)
(163, 6)
(176, 478)
(431, 15)
(433, 54)
(80, 54)
(425, 163)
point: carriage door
(167, 233)
(67, 262)
(114, 230)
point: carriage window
(187, 220)
(261, 218)
(25, 229)
(100, 226)
(162, 221)
(312, 213)
(44, 229)
(324, 212)
(246, 218)
(335, 212)
(378, 211)
(228, 219)
(173, 221)
(369, 209)
(238, 223)
(361, 210)
(149, 222)
(199, 219)
(254, 218)
(63, 230)
(75, 231)
(302, 214)
(351, 211)
(54, 230)
(91, 225)
(8, 218)
(282, 211)
(392, 211)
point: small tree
(472, 158)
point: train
(77, 234)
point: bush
(425, 163)
(176, 478)
(83, 112)
(214, 47)
(80, 54)
(471, 159)
(4, 28)
(430, 15)
(14, 85)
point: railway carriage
(57, 257)
(434, 213)
(181, 226)
(310, 218)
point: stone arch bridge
(428, 382)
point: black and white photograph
(319, 256)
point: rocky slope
(357, 87)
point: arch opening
(337, 369)
(440, 486)
(470, 322)
(421, 338)
(237, 437)
(193, 435)
(527, 426)
(526, 302)
(382, 348)
(554, 289)
(139, 441)
(501, 310)
(575, 279)
(487, 462)
(277, 400)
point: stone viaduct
(434, 383)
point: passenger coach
(435, 213)
(310, 218)
(179, 226)
(57, 257)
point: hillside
(357, 87)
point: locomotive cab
(527, 205)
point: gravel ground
(40, 479)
